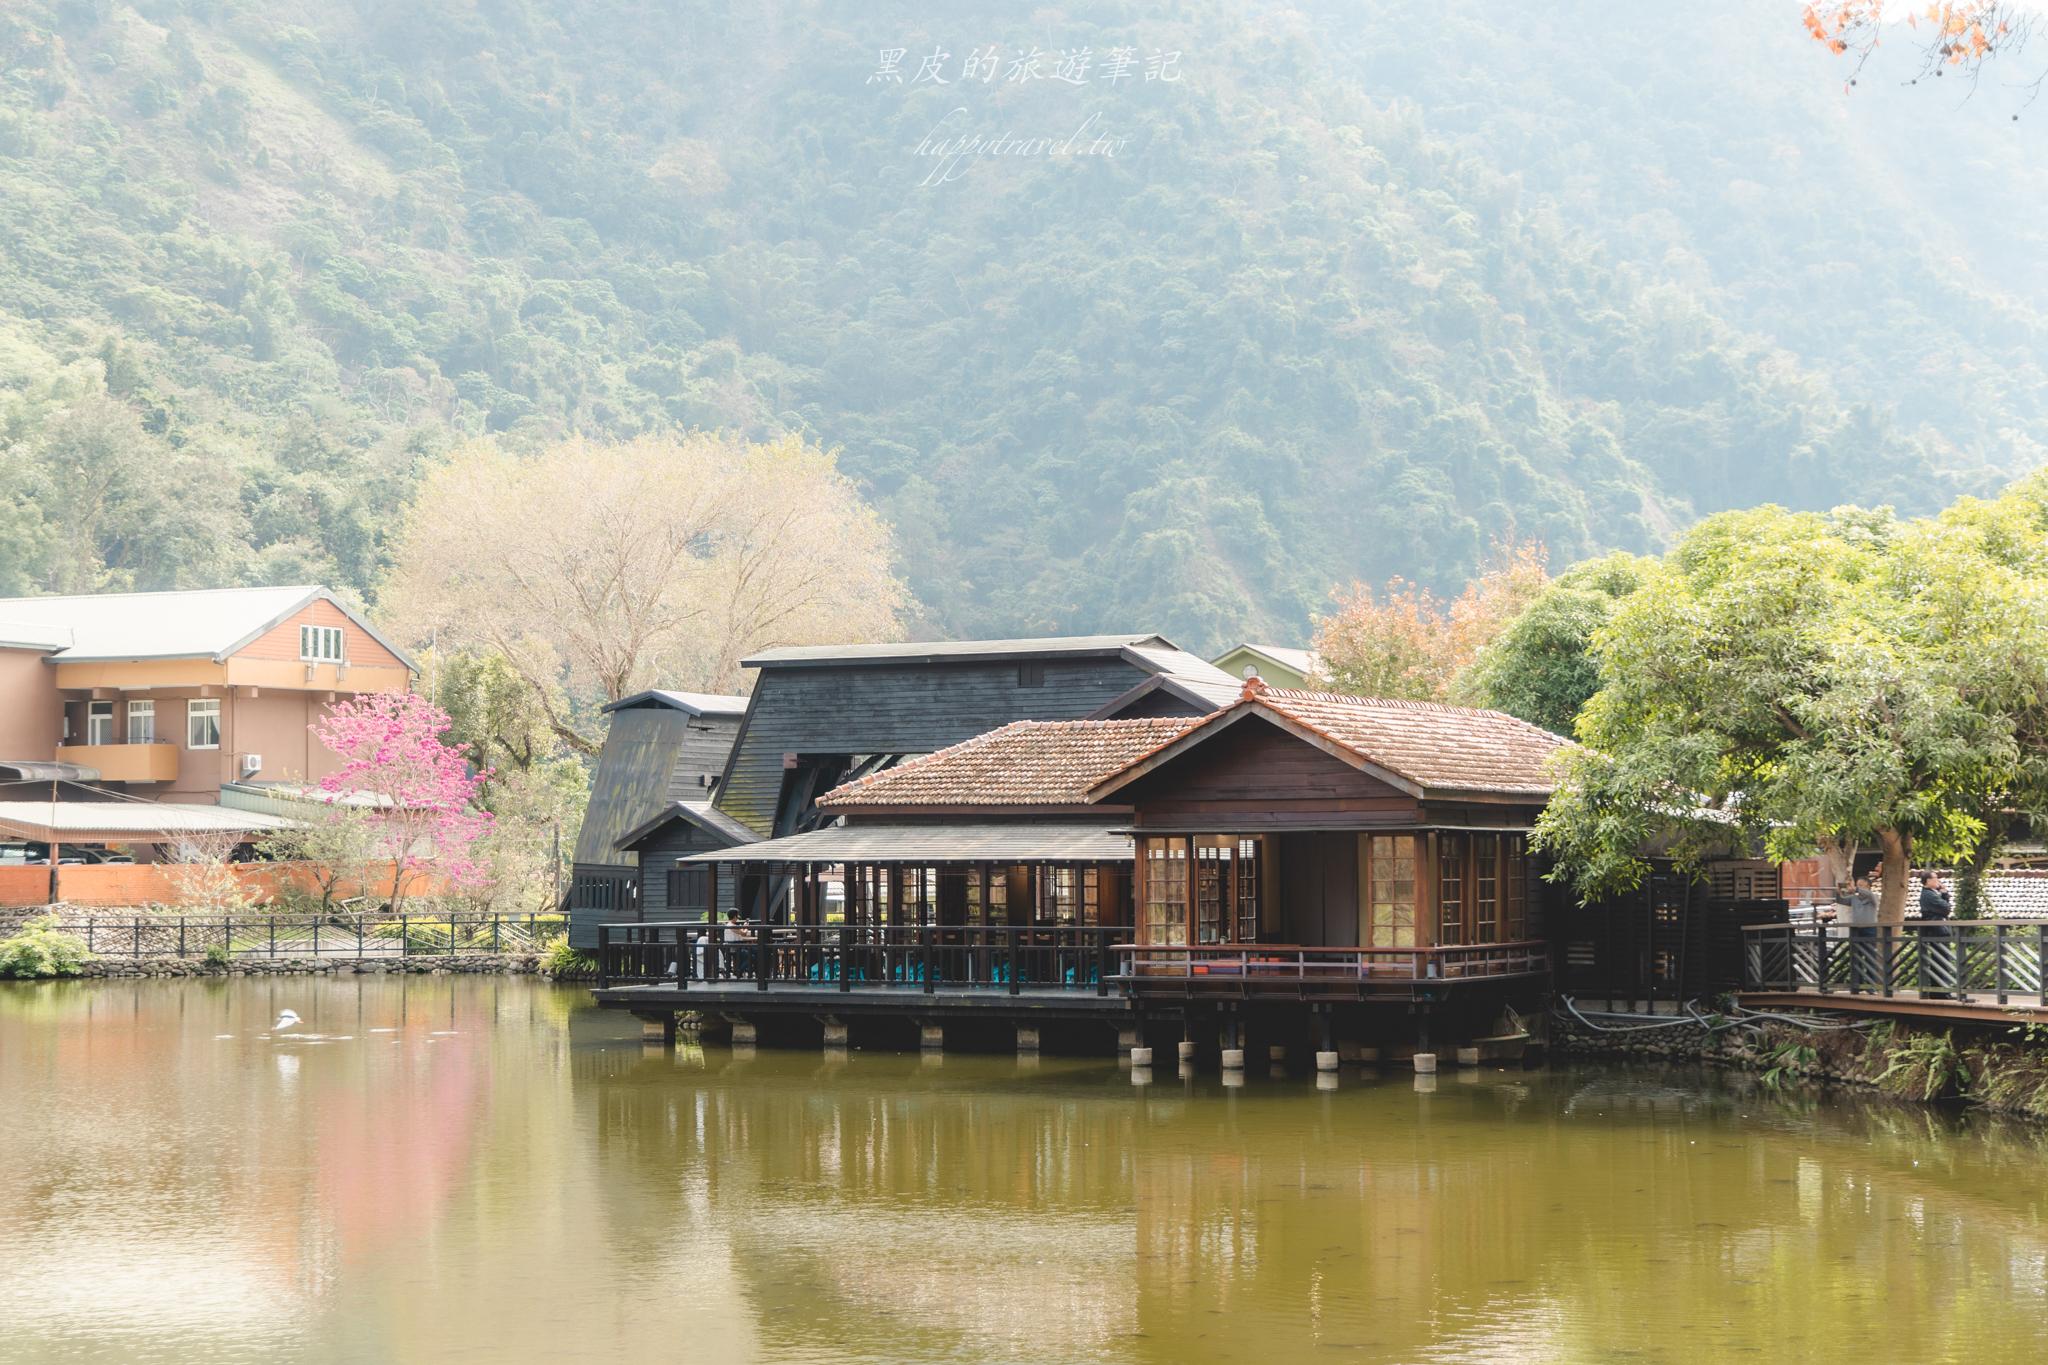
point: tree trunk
(1897, 873)
(1970, 876)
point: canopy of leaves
(1541, 665)
(1802, 678)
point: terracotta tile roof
(1028, 763)
(1453, 748)
(1438, 748)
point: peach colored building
(167, 695)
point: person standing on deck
(1937, 939)
(1862, 918)
(738, 962)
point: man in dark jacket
(1938, 976)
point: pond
(489, 1169)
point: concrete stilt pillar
(1348, 1052)
(1233, 1060)
(1128, 1038)
(1141, 1056)
(931, 1037)
(1185, 1051)
(1326, 1061)
(658, 1029)
(1368, 1056)
(1276, 1054)
(835, 1034)
(744, 1034)
(1425, 1064)
(1027, 1040)
(1468, 1056)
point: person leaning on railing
(1861, 904)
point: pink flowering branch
(424, 794)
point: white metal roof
(696, 703)
(129, 821)
(989, 842)
(203, 623)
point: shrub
(217, 955)
(1925, 1066)
(39, 950)
(559, 959)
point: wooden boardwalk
(783, 997)
(1975, 1009)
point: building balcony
(155, 761)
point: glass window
(1514, 891)
(1392, 859)
(1486, 888)
(1212, 886)
(1450, 887)
(320, 644)
(1166, 891)
(1063, 894)
(99, 722)
(142, 722)
(202, 723)
(1247, 927)
(1091, 895)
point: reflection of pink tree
(422, 792)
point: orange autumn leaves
(1964, 30)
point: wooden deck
(2018, 1009)
(1957, 971)
(788, 997)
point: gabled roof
(1302, 661)
(1426, 749)
(1027, 763)
(696, 703)
(697, 813)
(210, 623)
(933, 842)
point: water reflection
(458, 1166)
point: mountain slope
(1359, 294)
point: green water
(489, 1170)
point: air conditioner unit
(251, 764)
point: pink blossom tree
(422, 794)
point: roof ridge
(164, 592)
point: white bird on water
(285, 1022)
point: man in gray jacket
(1862, 919)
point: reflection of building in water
(986, 1217)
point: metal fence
(277, 936)
(1990, 961)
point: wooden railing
(1982, 960)
(847, 957)
(930, 958)
(279, 936)
(1314, 971)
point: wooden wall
(908, 709)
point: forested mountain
(1366, 288)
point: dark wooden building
(1294, 862)
(663, 752)
(824, 715)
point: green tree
(1802, 678)
(1542, 666)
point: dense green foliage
(38, 949)
(1542, 666)
(1801, 679)
(1369, 288)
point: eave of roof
(936, 843)
(696, 703)
(715, 823)
(950, 651)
